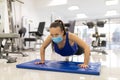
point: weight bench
(8, 36)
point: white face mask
(57, 39)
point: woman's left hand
(83, 65)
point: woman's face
(55, 32)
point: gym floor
(110, 69)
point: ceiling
(94, 9)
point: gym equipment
(97, 43)
(62, 66)
(22, 32)
(38, 34)
(12, 15)
(70, 26)
(7, 36)
(90, 24)
(9, 46)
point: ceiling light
(81, 16)
(111, 13)
(73, 8)
(111, 2)
(57, 2)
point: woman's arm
(82, 44)
(42, 49)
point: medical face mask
(57, 39)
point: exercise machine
(97, 43)
(9, 47)
(37, 34)
(7, 37)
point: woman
(64, 43)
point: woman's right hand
(40, 62)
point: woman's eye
(56, 34)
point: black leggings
(80, 51)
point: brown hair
(58, 23)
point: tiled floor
(110, 69)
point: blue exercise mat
(62, 66)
